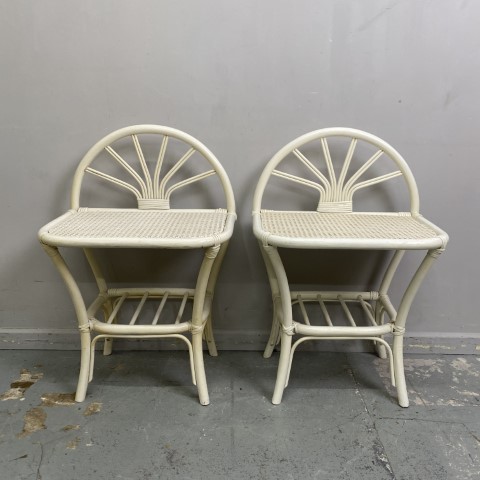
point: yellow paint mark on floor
(67, 428)
(73, 444)
(58, 399)
(19, 386)
(92, 409)
(34, 420)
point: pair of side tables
(326, 167)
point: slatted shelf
(345, 300)
(179, 300)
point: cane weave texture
(344, 225)
(118, 223)
(334, 226)
(154, 225)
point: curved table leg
(276, 327)
(82, 318)
(212, 282)
(399, 327)
(277, 310)
(198, 320)
(383, 290)
(287, 326)
(102, 288)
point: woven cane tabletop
(356, 229)
(128, 227)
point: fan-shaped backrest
(336, 187)
(151, 191)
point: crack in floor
(378, 446)
(39, 476)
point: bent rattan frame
(152, 225)
(334, 225)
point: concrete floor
(141, 419)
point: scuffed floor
(141, 420)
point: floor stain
(383, 370)
(73, 444)
(464, 366)
(58, 399)
(67, 428)
(467, 393)
(18, 387)
(420, 371)
(92, 409)
(13, 394)
(424, 367)
(34, 420)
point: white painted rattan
(152, 192)
(334, 225)
(152, 225)
(347, 230)
(139, 228)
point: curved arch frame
(110, 300)
(284, 328)
(150, 129)
(337, 132)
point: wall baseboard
(68, 339)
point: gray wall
(243, 77)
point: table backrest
(152, 186)
(329, 174)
